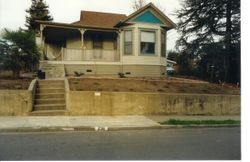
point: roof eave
(74, 25)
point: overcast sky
(12, 12)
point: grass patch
(199, 122)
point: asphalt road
(162, 144)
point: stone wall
(122, 103)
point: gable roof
(101, 19)
(169, 23)
(112, 21)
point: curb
(86, 128)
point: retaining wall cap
(32, 84)
(178, 94)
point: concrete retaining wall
(123, 103)
(15, 102)
(19, 103)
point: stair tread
(48, 112)
(50, 88)
(45, 83)
(38, 105)
(49, 84)
(49, 99)
(52, 82)
(49, 93)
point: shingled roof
(99, 19)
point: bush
(18, 51)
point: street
(153, 144)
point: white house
(107, 44)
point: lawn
(200, 122)
(149, 85)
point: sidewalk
(47, 123)
(93, 123)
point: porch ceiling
(60, 35)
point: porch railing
(71, 54)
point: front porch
(60, 43)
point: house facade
(107, 44)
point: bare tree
(137, 4)
(160, 7)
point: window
(163, 44)
(97, 44)
(128, 42)
(148, 42)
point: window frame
(163, 43)
(132, 46)
(99, 41)
(155, 42)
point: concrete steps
(53, 70)
(49, 98)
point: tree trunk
(228, 40)
(16, 74)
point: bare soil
(14, 84)
(163, 85)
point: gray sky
(12, 12)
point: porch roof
(75, 26)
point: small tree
(18, 51)
(37, 11)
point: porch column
(82, 31)
(118, 44)
(42, 41)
